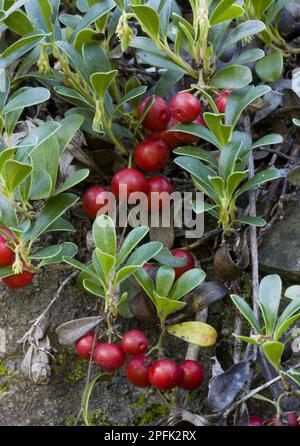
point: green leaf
(72, 96)
(124, 273)
(267, 140)
(221, 131)
(29, 97)
(46, 12)
(80, 266)
(53, 209)
(294, 375)
(145, 282)
(47, 253)
(107, 263)
(247, 339)
(102, 81)
(148, 18)
(14, 173)
(252, 221)
(289, 311)
(273, 352)
(242, 31)
(73, 179)
(144, 253)
(68, 129)
(248, 56)
(228, 157)
(166, 82)
(280, 329)
(93, 288)
(197, 130)
(293, 292)
(165, 277)
(130, 242)
(61, 225)
(258, 179)
(132, 94)
(19, 23)
(165, 257)
(231, 77)
(233, 181)
(270, 67)
(270, 289)
(157, 60)
(196, 333)
(218, 185)
(225, 10)
(186, 283)
(165, 306)
(246, 312)
(4, 156)
(275, 9)
(20, 47)
(260, 6)
(68, 249)
(6, 271)
(104, 234)
(197, 152)
(239, 100)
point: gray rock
(280, 252)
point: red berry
(180, 254)
(151, 154)
(221, 100)
(7, 256)
(134, 342)
(165, 374)
(137, 371)
(158, 115)
(185, 107)
(292, 418)
(187, 138)
(93, 200)
(274, 421)
(255, 421)
(18, 280)
(193, 375)
(158, 185)
(148, 266)
(132, 178)
(170, 138)
(109, 357)
(8, 232)
(84, 345)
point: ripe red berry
(134, 342)
(221, 100)
(148, 266)
(84, 345)
(180, 254)
(165, 374)
(10, 235)
(292, 418)
(109, 357)
(132, 178)
(93, 200)
(185, 107)
(137, 370)
(193, 375)
(158, 185)
(158, 115)
(170, 138)
(151, 154)
(255, 421)
(18, 280)
(187, 138)
(7, 256)
(274, 421)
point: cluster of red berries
(163, 374)
(153, 153)
(7, 258)
(286, 419)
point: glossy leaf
(148, 18)
(196, 333)
(246, 311)
(270, 289)
(232, 77)
(270, 67)
(273, 352)
(165, 277)
(186, 283)
(104, 234)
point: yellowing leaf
(194, 332)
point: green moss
(152, 413)
(4, 389)
(140, 403)
(69, 421)
(3, 370)
(79, 372)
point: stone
(280, 252)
